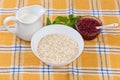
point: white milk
(28, 18)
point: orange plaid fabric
(99, 60)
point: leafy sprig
(69, 21)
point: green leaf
(48, 21)
(68, 22)
(63, 19)
(71, 16)
(56, 21)
(60, 20)
(78, 17)
(71, 23)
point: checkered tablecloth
(100, 59)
